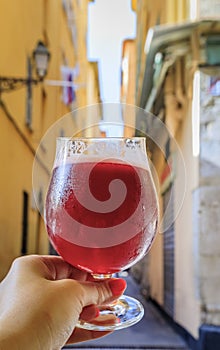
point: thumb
(102, 292)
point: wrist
(16, 339)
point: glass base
(125, 312)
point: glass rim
(66, 138)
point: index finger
(59, 269)
(50, 267)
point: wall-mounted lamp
(41, 57)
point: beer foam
(137, 160)
(131, 151)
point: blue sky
(109, 23)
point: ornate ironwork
(7, 84)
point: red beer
(101, 238)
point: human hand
(41, 300)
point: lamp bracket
(8, 83)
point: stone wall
(206, 200)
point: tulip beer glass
(101, 213)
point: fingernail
(97, 313)
(117, 286)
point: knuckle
(103, 293)
(19, 261)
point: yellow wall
(176, 11)
(149, 14)
(16, 160)
(23, 23)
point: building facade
(26, 114)
(177, 81)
